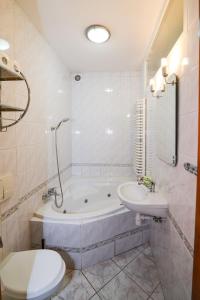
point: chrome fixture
(58, 125)
(50, 192)
(97, 34)
(165, 73)
(147, 182)
(167, 80)
(191, 168)
(164, 67)
(57, 161)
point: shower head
(58, 125)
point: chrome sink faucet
(147, 182)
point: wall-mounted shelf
(9, 71)
(7, 108)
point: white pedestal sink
(140, 199)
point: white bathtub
(85, 198)
(87, 232)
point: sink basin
(140, 199)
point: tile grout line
(10, 211)
(108, 281)
(181, 234)
(96, 291)
(154, 290)
(128, 262)
(141, 252)
(129, 276)
(101, 243)
(122, 271)
(89, 283)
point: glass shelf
(7, 108)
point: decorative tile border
(100, 244)
(21, 200)
(100, 165)
(181, 234)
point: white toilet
(34, 274)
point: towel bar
(190, 168)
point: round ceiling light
(4, 45)
(97, 34)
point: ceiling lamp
(97, 34)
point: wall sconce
(152, 85)
(165, 74)
(164, 67)
(155, 93)
(162, 85)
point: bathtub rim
(47, 213)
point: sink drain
(86, 201)
(108, 195)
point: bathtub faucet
(148, 182)
(51, 192)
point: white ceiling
(131, 22)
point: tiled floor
(128, 276)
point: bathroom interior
(99, 149)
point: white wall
(26, 149)
(173, 241)
(103, 122)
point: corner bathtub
(91, 226)
(84, 199)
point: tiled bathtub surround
(26, 149)
(103, 170)
(179, 186)
(103, 121)
(85, 243)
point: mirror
(166, 120)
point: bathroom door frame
(196, 266)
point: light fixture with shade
(4, 45)
(164, 67)
(97, 34)
(156, 93)
(152, 85)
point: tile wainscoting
(174, 258)
(88, 242)
(103, 170)
(15, 220)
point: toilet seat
(33, 274)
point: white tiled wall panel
(103, 107)
(179, 186)
(26, 150)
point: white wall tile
(27, 149)
(101, 131)
(178, 186)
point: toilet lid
(28, 274)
